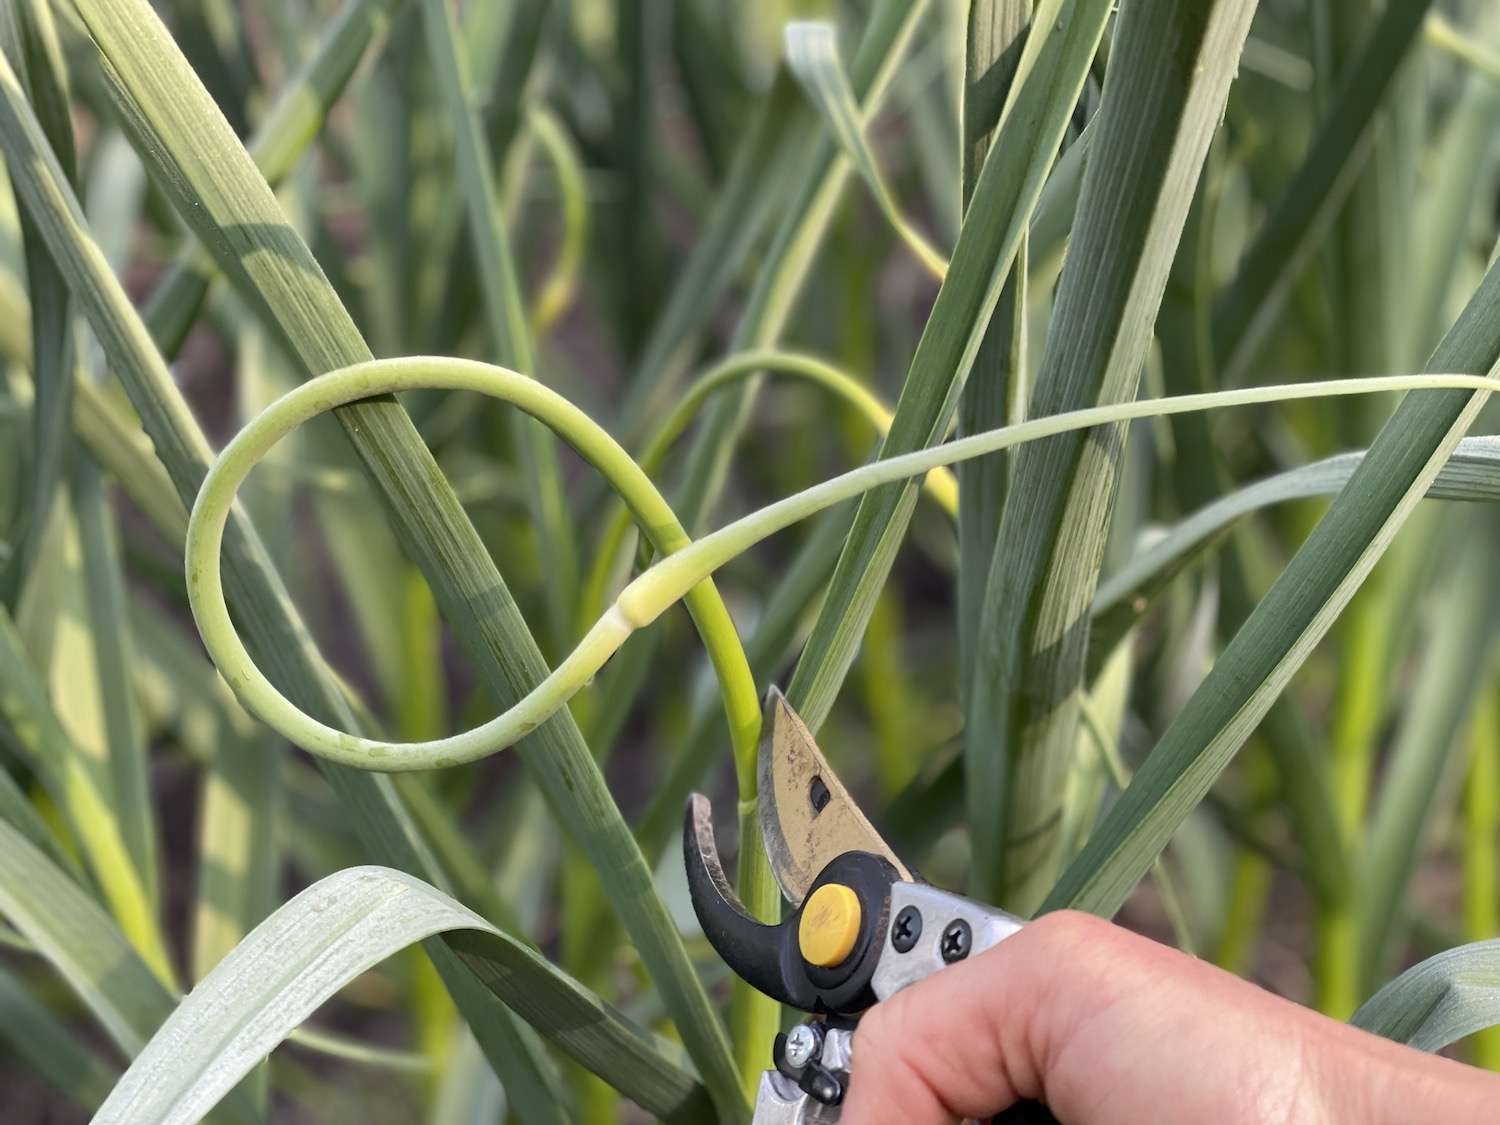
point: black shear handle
(1025, 1113)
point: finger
(969, 1040)
(1101, 1024)
(1106, 1026)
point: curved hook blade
(754, 950)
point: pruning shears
(863, 924)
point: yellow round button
(829, 926)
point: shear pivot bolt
(829, 926)
(957, 940)
(801, 1046)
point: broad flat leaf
(116, 190)
(84, 945)
(319, 941)
(113, 654)
(1439, 1001)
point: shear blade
(807, 818)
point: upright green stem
(1357, 722)
(1481, 837)
(1161, 875)
(129, 784)
(1362, 246)
(1336, 959)
(754, 1019)
(505, 314)
(1249, 886)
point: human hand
(1110, 1028)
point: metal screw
(801, 1046)
(957, 940)
(906, 929)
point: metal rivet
(958, 939)
(906, 929)
(801, 1046)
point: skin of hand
(1111, 1028)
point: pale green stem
(683, 572)
(812, 53)
(349, 384)
(1440, 33)
(754, 1018)
(435, 1020)
(1249, 888)
(940, 484)
(352, 1050)
(1357, 718)
(556, 292)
